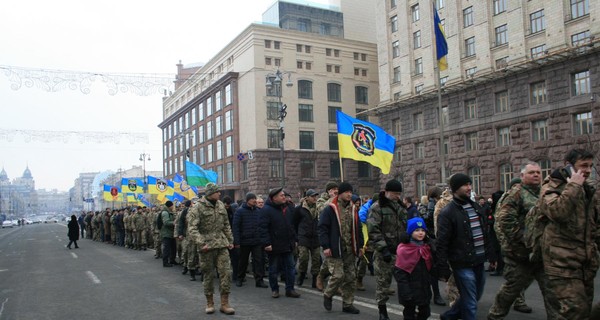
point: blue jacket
(363, 213)
(277, 228)
(246, 226)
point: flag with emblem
(183, 188)
(159, 186)
(112, 193)
(132, 185)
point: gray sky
(111, 36)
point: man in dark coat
(279, 239)
(246, 239)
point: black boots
(301, 278)
(261, 284)
(383, 315)
(192, 275)
(314, 281)
(185, 270)
(239, 282)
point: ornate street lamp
(274, 81)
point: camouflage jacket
(445, 199)
(386, 223)
(208, 224)
(510, 219)
(138, 221)
(127, 221)
(322, 202)
(571, 237)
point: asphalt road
(41, 279)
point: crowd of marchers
(537, 230)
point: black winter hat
(344, 186)
(458, 180)
(169, 203)
(393, 185)
(330, 185)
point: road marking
(2, 307)
(93, 277)
(74, 255)
(2, 270)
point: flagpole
(341, 169)
(439, 96)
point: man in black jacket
(341, 238)
(306, 219)
(462, 241)
(246, 238)
(279, 239)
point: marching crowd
(537, 230)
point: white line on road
(2, 307)
(74, 255)
(93, 277)
(2, 270)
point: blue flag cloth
(441, 46)
(196, 176)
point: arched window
(305, 89)
(506, 175)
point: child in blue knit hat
(414, 261)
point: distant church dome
(3, 175)
(27, 173)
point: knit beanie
(415, 223)
(458, 180)
(330, 185)
(344, 186)
(393, 185)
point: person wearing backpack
(510, 214)
(569, 243)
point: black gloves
(386, 255)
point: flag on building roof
(364, 141)
(196, 176)
(441, 45)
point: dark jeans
(73, 241)
(410, 312)
(169, 250)
(121, 237)
(234, 256)
(286, 260)
(258, 266)
(470, 283)
(82, 228)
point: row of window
(204, 132)
(334, 92)
(205, 154)
(308, 49)
(308, 169)
(212, 104)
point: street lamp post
(143, 157)
(274, 81)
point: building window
(445, 115)
(299, 64)
(209, 153)
(364, 72)
(363, 57)
(201, 134)
(580, 82)
(333, 141)
(325, 29)
(470, 73)
(539, 51)
(334, 92)
(396, 128)
(468, 17)
(537, 93)
(419, 150)
(272, 110)
(336, 69)
(418, 66)
(331, 114)
(580, 38)
(305, 89)
(273, 138)
(546, 166)
(418, 121)
(419, 88)
(582, 123)
(356, 55)
(501, 35)
(503, 138)
(307, 140)
(472, 142)
(218, 101)
(305, 112)
(307, 168)
(219, 150)
(475, 175)
(415, 12)
(308, 65)
(328, 52)
(229, 172)
(471, 109)
(470, 47)
(275, 168)
(539, 130)
(334, 169)
(244, 170)
(446, 147)
(218, 126)
(277, 62)
(364, 169)
(394, 24)
(209, 106)
(307, 49)
(361, 95)
(228, 120)
(537, 21)
(439, 4)
(229, 146)
(396, 74)
(393, 3)
(228, 95)
(501, 101)
(499, 6)
(201, 157)
(209, 130)
(417, 39)
(267, 44)
(395, 49)
(329, 68)
(336, 53)
(579, 8)
(421, 185)
(303, 25)
(505, 176)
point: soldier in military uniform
(156, 233)
(127, 221)
(113, 227)
(570, 239)
(510, 222)
(386, 222)
(208, 227)
(139, 229)
(331, 191)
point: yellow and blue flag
(441, 45)
(364, 141)
(141, 198)
(112, 193)
(132, 185)
(160, 186)
(197, 176)
(183, 188)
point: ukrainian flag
(441, 45)
(112, 193)
(183, 188)
(132, 185)
(160, 186)
(364, 141)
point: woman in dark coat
(73, 232)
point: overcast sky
(108, 37)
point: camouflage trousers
(190, 256)
(383, 277)
(343, 277)
(219, 259)
(179, 249)
(363, 263)
(519, 276)
(113, 234)
(149, 238)
(157, 244)
(129, 238)
(139, 239)
(304, 255)
(569, 298)
(452, 291)
(97, 234)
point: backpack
(535, 224)
(159, 221)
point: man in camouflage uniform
(306, 218)
(386, 222)
(113, 227)
(156, 233)
(510, 222)
(331, 191)
(188, 250)
(97, 223)
(127, 221)
(208, 227)
(569, 244)
(139, 229)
